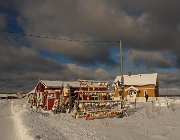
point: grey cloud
(169, 83)
(170, 80)
(98, 74)
(21, 67)
(178, 59)
(3, 21)
(157, 26)
(151, 60)
(92, 54)
(142, 25)
(81, 19)
(150, 28)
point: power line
(55, 38)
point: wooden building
(47, 92)
(139, 85)
(92, 90)
(96, 102)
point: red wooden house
(47, 92)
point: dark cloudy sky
(149, 31)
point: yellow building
(139, 85)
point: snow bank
(1, 101)
(143, 99)
(145, 122)
(167, 101)
(159, 101)
(21, 130)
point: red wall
(50, 102)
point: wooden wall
(151, 90)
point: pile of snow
(167, 101)
(21, 130)
(159, 101)
(2, 101)
(145, 122)
(143, 99)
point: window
(145, 92)
(132, 92)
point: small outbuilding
(46, 92)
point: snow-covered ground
(21, 129)
(2, 101)
(148, 121)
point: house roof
(57, 84)
(3, 95)
(48, 83)
(8, 95)
(139, 79)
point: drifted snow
(21, 130)
(148, 122)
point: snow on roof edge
(139, 79)
(49, 83)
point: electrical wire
(55, 38)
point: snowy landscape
(89, 70)
(158, 120)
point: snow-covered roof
(7, 95)
(57, 84)
(48, 83)
(139, 79)
(3, 95)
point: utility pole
(121, 69)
